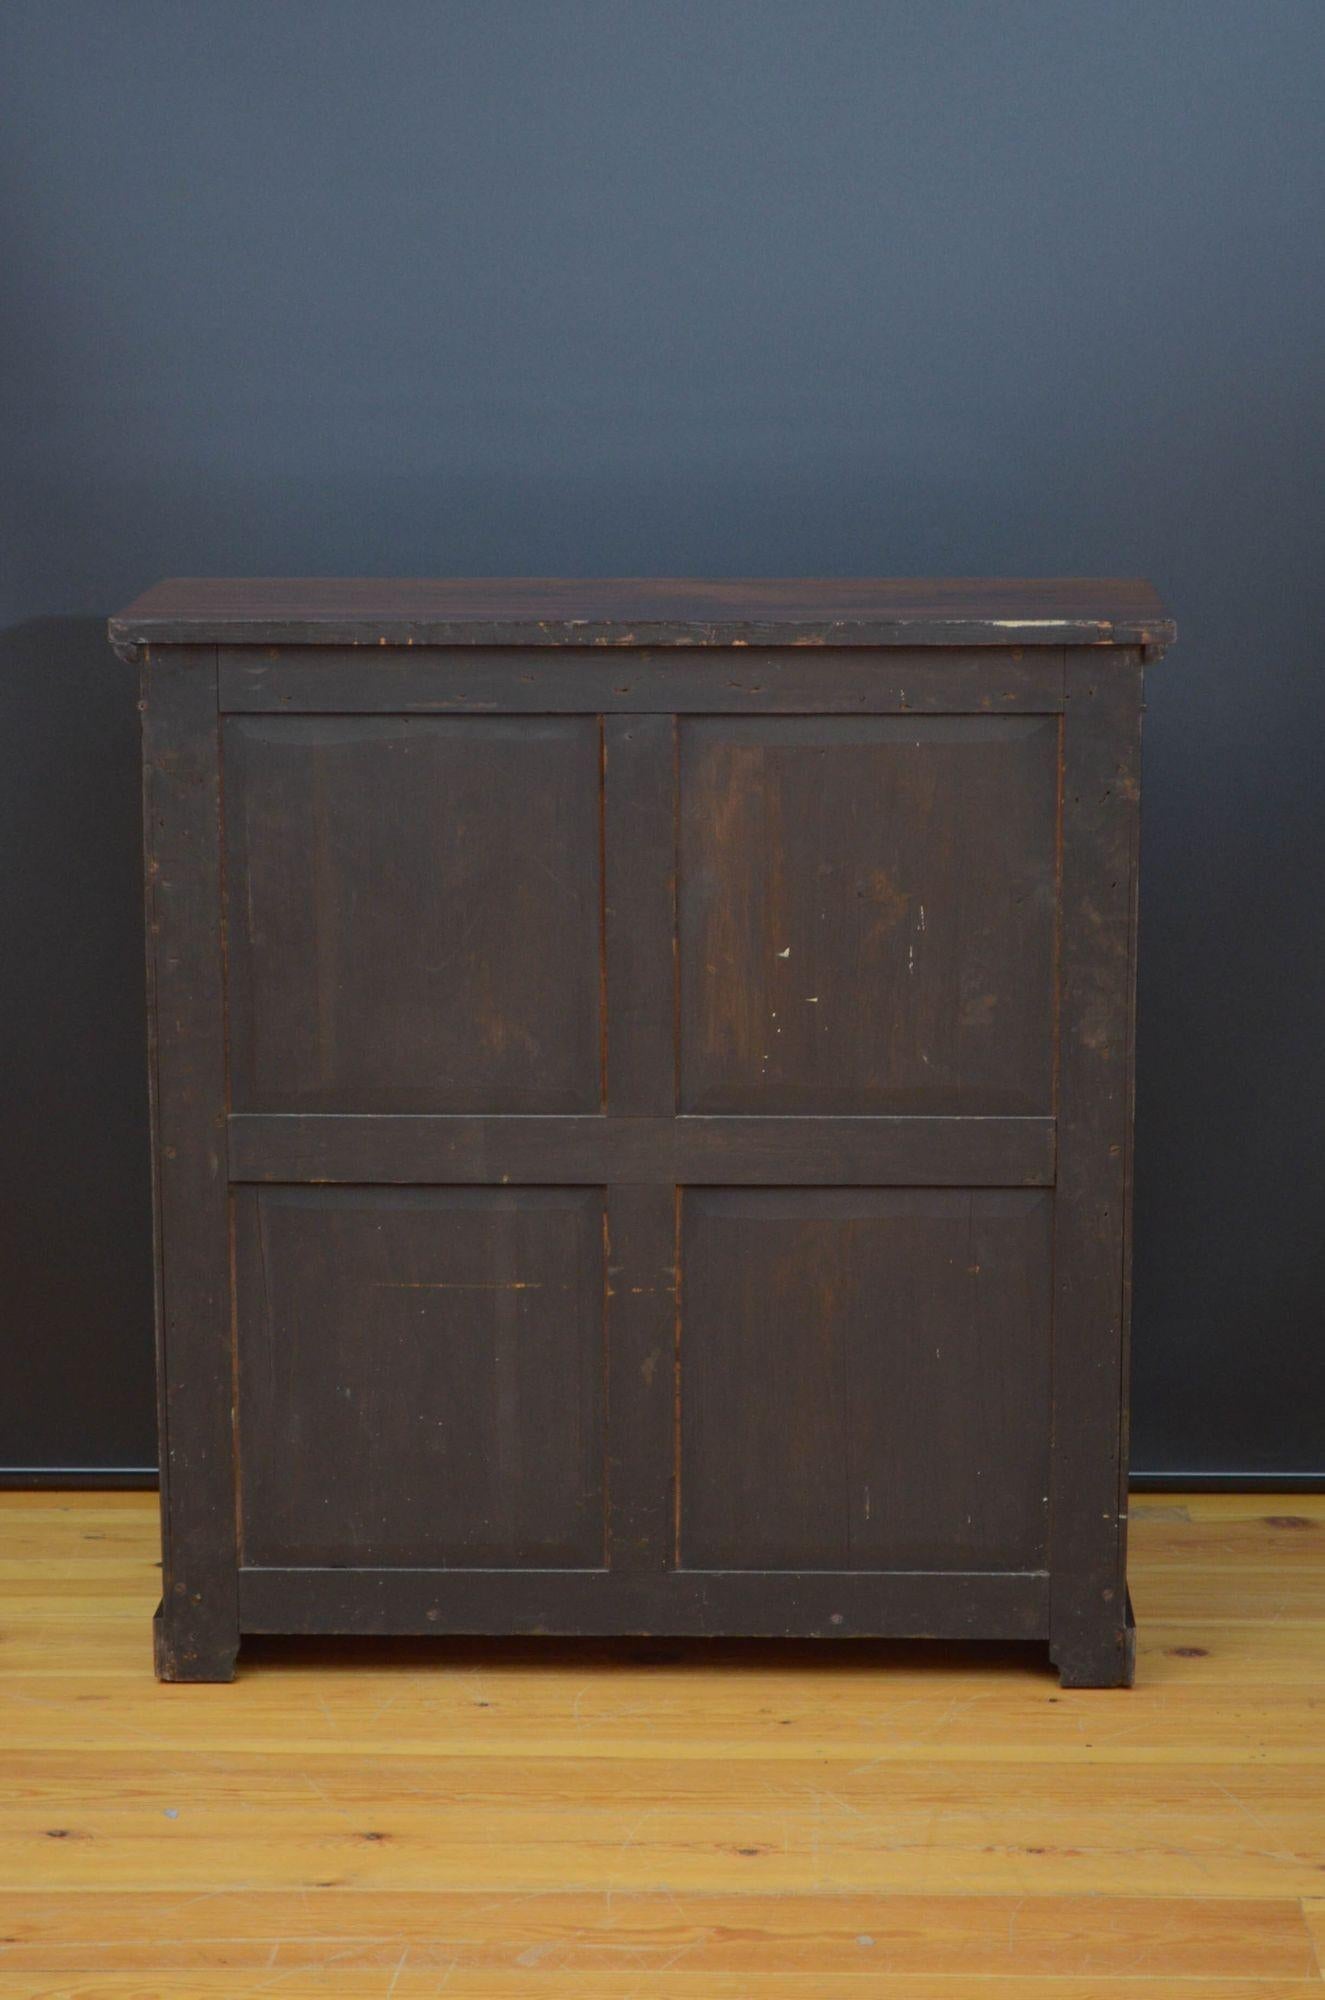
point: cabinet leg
(1104, 1658)
(183, 1653)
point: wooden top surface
(645, 611)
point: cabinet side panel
(1100, 818)
(198, 1635)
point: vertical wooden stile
(639, 811)
(198, 1625)
(1089, 1635)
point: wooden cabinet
(641, 1106)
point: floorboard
(689, 1822)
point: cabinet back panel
(671, 1103)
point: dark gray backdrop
(740, 286)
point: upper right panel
(867, 911)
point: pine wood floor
(701, 1823)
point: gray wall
(740, 286)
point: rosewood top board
(645, 611)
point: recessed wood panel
(864, 1379)
(413, 913)
(867, 912)
(421, 1376)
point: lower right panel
(864, 1378)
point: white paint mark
(456, 1285)
(786, 953)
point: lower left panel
(420, 1376)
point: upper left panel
(413, 913)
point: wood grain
(704, 1821)
(413, 913)
(909, 1151)
(639, 914)
(866, 914)
(442, 1349)
(589, 680)
(865, 1379)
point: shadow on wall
(75, 1219)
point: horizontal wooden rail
(938, 1604)
(727, 680)
(717, 1151)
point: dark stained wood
(642, 1253)
(1101, 800)
(864, 1379)
(641, 1080)
(414, 913)
(197, 1629)
(639, 913)
(912, 1152)
(867, 914)
(421, 1376)
(720, 680)
(776, 1604)
(639, 929)
(642, 611)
